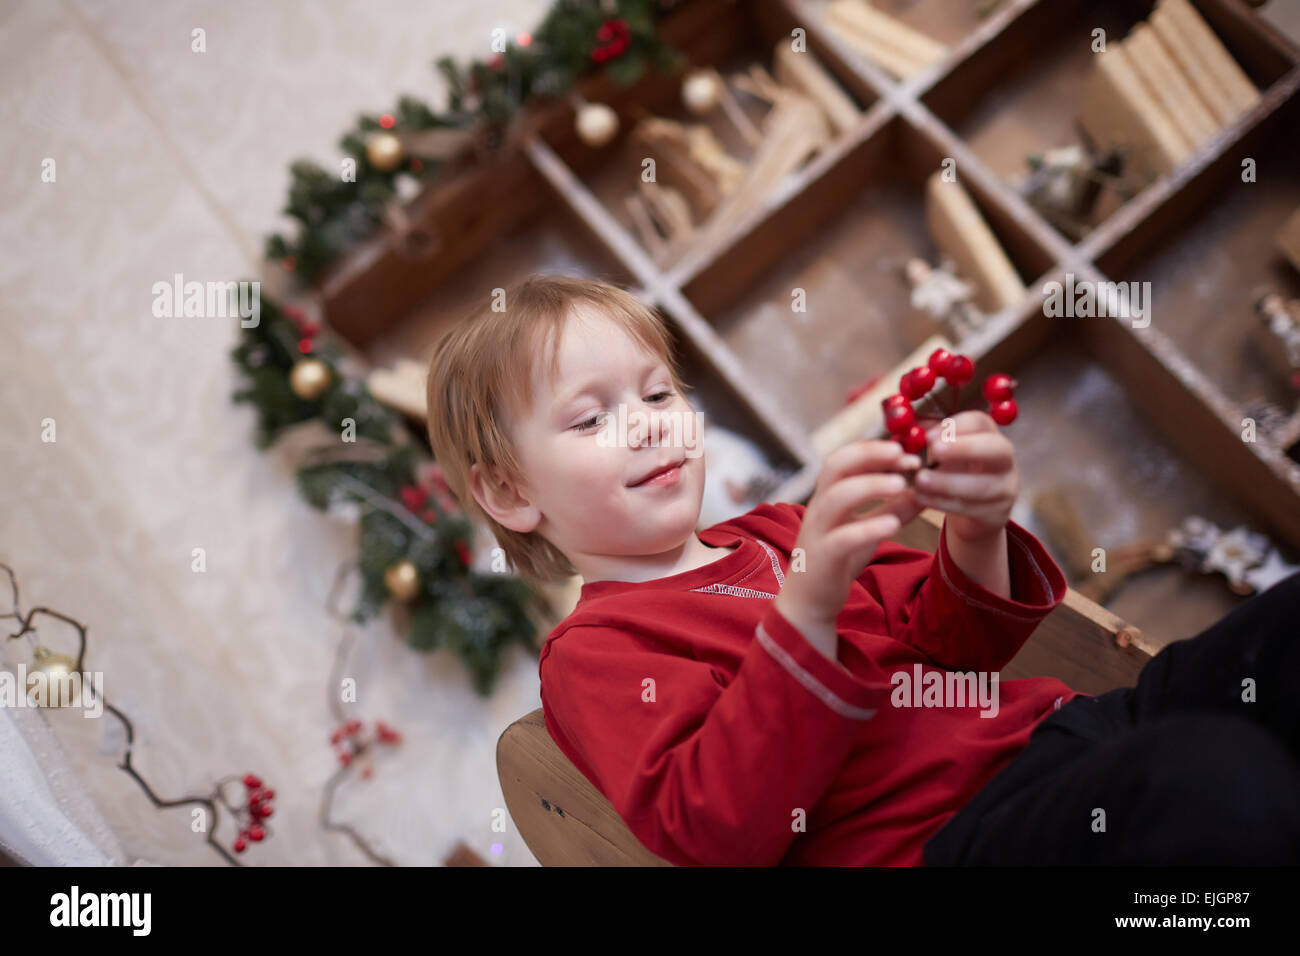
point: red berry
(345, 758)
(255, 833)
(240, 845)
(413, 496)
(939, 360)
(899, 418)
(960, 370)
(251, 782)
(268, 794)
(895, 399)
(999, 387)
(304, 346)
(264, 811)
(913, 440)
(1004, 413)
(917, 382)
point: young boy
(751, 694)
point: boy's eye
(657, 396)
(589, 423)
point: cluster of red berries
(615, 36)
(416, 500)
(957, 370)
(259, 808)
(307, 329)
(344, 741)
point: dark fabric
(1185, 771)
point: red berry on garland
(463, 552)
(899, 418)
(429, 516)
(413, 497)
(1004, 413)
(264, 811)
(913, 440)
(268, 794)
(999, 387)
(960, 370)
(240, 846)
(345, 758)
(939, 360)
(304, 346)
(895, 399)
(251, 782)
(256, 833)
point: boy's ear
(502, 502)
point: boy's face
(583, 457)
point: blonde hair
(480, 381)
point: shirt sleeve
(705, 771)
(933, 605)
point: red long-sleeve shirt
(710, 722)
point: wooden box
(1141, 425)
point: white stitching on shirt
(802, 675)
(776, 565)
(976, 602)
(732, 589)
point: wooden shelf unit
(861, 197)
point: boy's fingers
(852, 492)
(970, 422)
(991, 451)
(875, 454)
(971, 487)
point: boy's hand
(976, 482)
(836, 542)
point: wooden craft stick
(1218, 61)
(670, 208)
(886, 31)
(894, 61)
(864, 416)
(645, 227)
(793, 130)
(1215, 97)
(1117, 111)
(1169, 86)
(669, 145)
(960, 231)
(736, 114)
(801, 71)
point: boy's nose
(650, 429)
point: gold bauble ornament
(309, 378)
(385, 151)
(402, 580)
(596, 124)
(700, 92)
(58, 669)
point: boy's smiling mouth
(663, 475)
